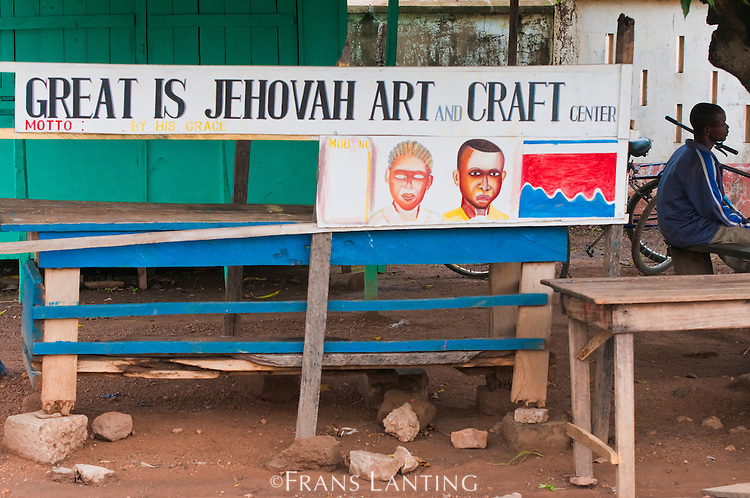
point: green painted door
(209, 32)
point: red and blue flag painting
(568, 179)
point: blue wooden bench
(51, 309)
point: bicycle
(643, 179)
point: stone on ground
(112, 426)
(408, 462)
(395, 398)
(402, 423)
(713, 422)
(528, 415)
(544, 438)
(741, 490)
(62, 474)
(45, 440)
(373, 466)
(469, 439)
(317, 452)
(92, 475)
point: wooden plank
(96, 41)
(513, 22)
(186, 39)
(531, 367)
(206, 307)
(625, 414)
(660, 317)
(111, 216)
(671, 288)
(142, 278)
(612, 250)
(173, 374)
(107, 365)
(592, 442)
(238, 39)
(680, 316)
(265, 36)
(373, 359)
(212, 36)
(221, 20)
(580, 395)
(228, 346)
(65, 22)
(160, 42)
(10, 133)
(157, 237)
(234, 274)
(122, 45)
(591, 346)
(315, 328)
(59, 372)
(288, 55)
(431, 246)
(505, 278)
(31, 330)
(391, 44)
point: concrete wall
(458, 34)
(658, 26)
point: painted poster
(384, 181)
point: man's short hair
(411, 148)
(703, 114)
(478, 144)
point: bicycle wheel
(637, 202)
(649, 249)
(479, 270)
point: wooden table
(75, 235)
(622, 307)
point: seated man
(691, 204)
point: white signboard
(536, 101)
(399, 146)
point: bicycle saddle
(640, 147)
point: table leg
(61, 287)
(602, 402)
(580, 393)
(625, 414)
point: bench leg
(315, 331)
(530, 371)
(580, 393)
(625, 414)
(61, 287)
(691, 262)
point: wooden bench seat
(696, 259)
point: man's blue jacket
(690, 202)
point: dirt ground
(212, 437)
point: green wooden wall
(232, 32)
